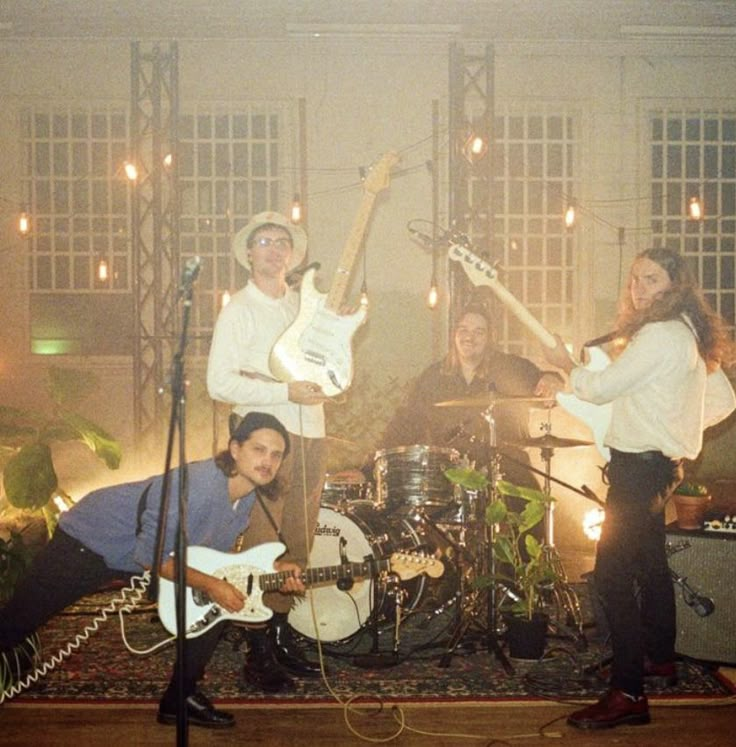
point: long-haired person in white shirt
(666, 386)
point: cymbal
(548, 441)
(489, 399)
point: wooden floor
(443, 726)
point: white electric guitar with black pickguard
(317, 345)
(249, 572)
(480, 272)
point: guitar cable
(11, 665)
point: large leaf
(29, 477)
(467, 478)
(98, 440)
(69, 386)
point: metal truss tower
(470, 121)
(154, 110)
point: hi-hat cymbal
(548, 441)
(486, 400)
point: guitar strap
(241, 537)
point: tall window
(231, 167)
(79, 259)
(533, 164)
(693, 155)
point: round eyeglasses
(281, 243)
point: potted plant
(29, 503)
(523, 569)
(691, 501)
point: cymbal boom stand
(564, 596)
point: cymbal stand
(563, 595)
(479, 606)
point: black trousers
(62, 572)
(631, 571)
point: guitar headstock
(478, 270)
(378, 176)
(406, 565)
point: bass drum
(354, 535)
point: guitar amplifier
(704, 564)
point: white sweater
(244, 334)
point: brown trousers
(294, 511)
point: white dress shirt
(662, 397)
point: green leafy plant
(521, 561)
(26, 438)
(690, 487)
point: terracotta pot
(691, 510)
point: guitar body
(242, 570)
(251, 572)
(317, 346)
(596, 417)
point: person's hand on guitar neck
(306, 393)
(559, 355)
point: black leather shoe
(261, 669)
(287, 653)
(200, 712)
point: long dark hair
(451, 363)
(683, 297)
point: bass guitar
(248, 572)
(480, 272)
(317, 346)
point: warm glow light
(168, 160)
(131, 171)
(364, 295)
(225, 299)
(24, 224)
(695, 209)
(475, 147)
(102, 273)
(433, 296)
(570, 215)
(296, 210)
(592, 522)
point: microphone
(189, 275)
(702, 606)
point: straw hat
(297, 233)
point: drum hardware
(559, 592)
(478, 608)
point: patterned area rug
(370, 663)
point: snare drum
(344, 487)
(413, 476)
(354, 534)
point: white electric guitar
(248, 572)
(596, 417)
(317, 345)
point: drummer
(473, 369)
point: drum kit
(412, 507)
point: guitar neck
(368, 568)
(338, 291)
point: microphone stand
(177, 422)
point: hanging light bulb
(695, 209)
(296, 210)
(225, 300)
(570, 214)
(433, 296)
(131, 171)
(24, 224)
(102, 270)
(364, 294)
(168, 160)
